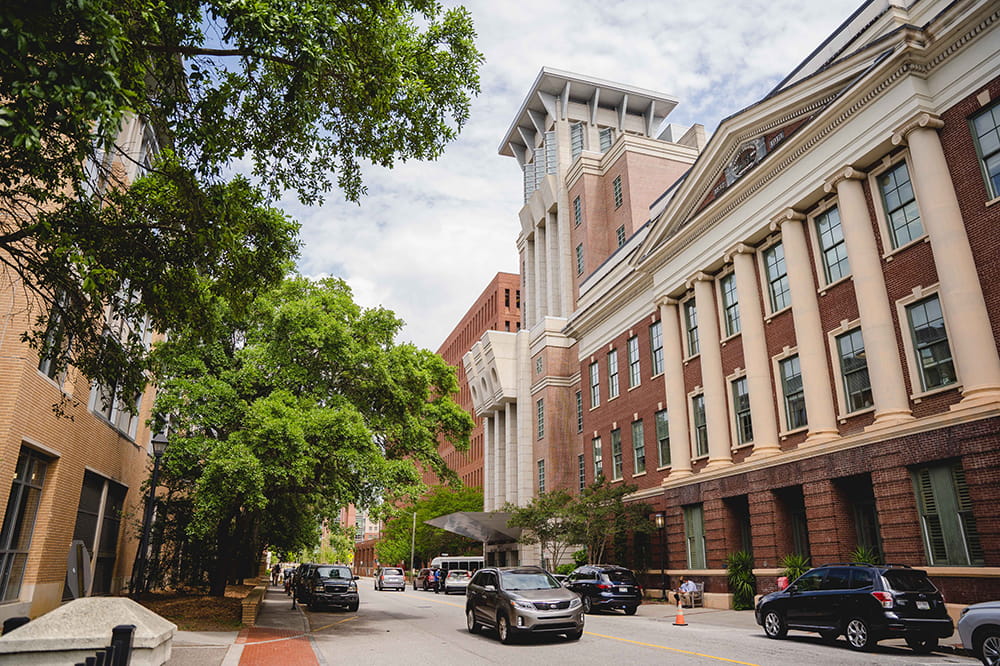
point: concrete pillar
(500, 442)
(970, 334)
(673, 377)
(567, 260)
(528, 286)
(553, 264)
(762, 415)
(510, 446)
(488, 492)
(541, 292)
(892, 403)
(716, 410)
(809, 337)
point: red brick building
(786, 337)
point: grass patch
(192, 611)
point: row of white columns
(970, 335)
(502, 460)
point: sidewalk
(281, 636)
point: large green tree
(306, 405)
(547, 520)
(298, 94)
(394, 547)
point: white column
(552, 264)
(673, 377)
(528, 285)
(892, 403)
(488, 492)
(501, 458)
(762, 416)
(567, 262)
(970, 334)
(712, 376)
(510, 446)
(541, 275)
(809, 338)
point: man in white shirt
(683, 594)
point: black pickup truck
(326, 585)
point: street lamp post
(413, 541)
(138, 582)
(661, 524)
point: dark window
(810, 580)
(902, 580)
(19, 521)
(837, 578)
(861, 578)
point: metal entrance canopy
(487, 527)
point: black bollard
(121, 641)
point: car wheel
(471, 622)
(859, 635)
(774, 625)
(354, 607)
(986, 646)
(587, 607)
(574, 635)
(630, 610)
(505, 631)
(922, 644)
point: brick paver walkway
(264, 645)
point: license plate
(923, 605)
(623, 589)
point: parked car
(866, 603)
(979, 627)
(456, 581)
(522, 600)
(330, 585)
(606, 586)
(299, 580)
(391, 578)
(560, 577)
(422, 581)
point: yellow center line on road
(332, 624)
(677, 650)
(443, 602)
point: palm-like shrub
(794, 565)
(742, 582)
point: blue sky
(429, 236)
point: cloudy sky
(430, 236)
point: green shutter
(933, 531)
(968, 521)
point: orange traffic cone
(679, 620)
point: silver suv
(522, 600)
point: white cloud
(429, 236)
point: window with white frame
(53, 357)
(900, 205)
(778, 292)
(620, 235)
(577, 212)
(607, 137)
(656, 347)
(951, 536)
(541, 476)
(575, 139)
(634, 371)
(595, 385)
(741, 411)
(616, 184)
(579, 259)
(662, 438)
(730, 304)
(123, 415)
(638, 448)
(854, 371)
(540, 417)
(691, 326)
(793, 393)
(700, 425)
(616, 454)
(986, 130)
(581, 464)
(832, 247)
(612, 374)
(598, 457)
(579, 411)
(930, 343)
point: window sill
(659, 374)
(744, 445)
(842, 418)
(691, 358)
(889, 256)
(918, 397)
(827, 287)
(735, 335)
(993, 202)
(614, 397)
(785, 434)
(636, 476)
(768, 318)
(663, 468)
(697, 458)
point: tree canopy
(306, 405)
(299, 94)
(429, 541)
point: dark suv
(867, 603)
(606, 586)
(329, 585)
(522, 600)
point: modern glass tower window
(656, 347)
(634, 371)
(791, 388)
(700, 426)
(741, 411)
(986, 130)
(595, 385)
(854, 371)
(662, 438)
(730, 304)
(900, 205)
(638, 448)
(832, 246)
(930, 342)
(613, 374)
(691, 326)
(616, 454)
(777, 277)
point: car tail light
(884, 598)
(603, 586)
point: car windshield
(333, 572)
(513, 580)
(621, 576)
(902, 580)
(392, 572)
